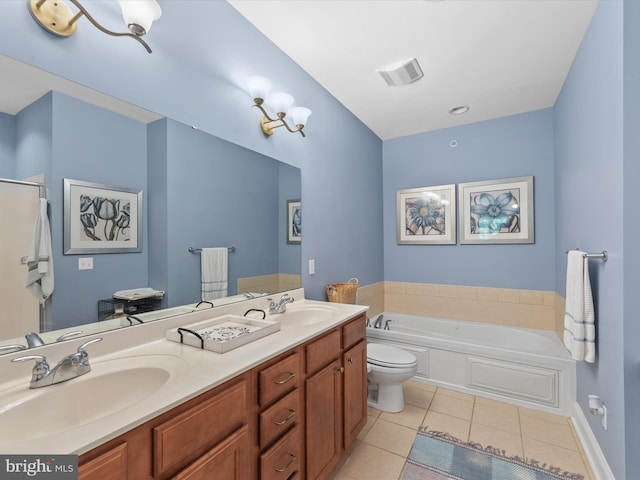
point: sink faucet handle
(41, 368)
(37, 358)
(81, 348)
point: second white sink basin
(301, 315)
(110, 387)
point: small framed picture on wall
(294, 222)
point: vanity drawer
(323, 351)
(282, 460)
(191, 433)
(279, 378)
(354, 331)
(279, 417)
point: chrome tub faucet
(69, 367)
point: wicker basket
(343, 292)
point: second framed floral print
(427, 215)
(497, 211)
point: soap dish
(223, 333)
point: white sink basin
(110, 387)
(301, 315)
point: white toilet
(387, 368)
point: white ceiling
(499, 57)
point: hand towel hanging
(579, 319)
(40, 280)
(214, 273)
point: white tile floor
(385, 442)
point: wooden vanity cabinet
(289, 418)
(335, 395)
(201, 438)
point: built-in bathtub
(530, 367)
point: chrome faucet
(69, 367)
(378, 322)
(33, 340)
(281, 306)
(386, 324)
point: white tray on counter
(223, 333)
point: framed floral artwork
(497, 211)
(101, 219)
(294, 222)
(426, 215)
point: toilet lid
(388, 356)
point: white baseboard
(592, 450)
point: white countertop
(204, 370)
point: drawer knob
(290, 377)
(341, 369)
(282, 422)
(291, 460)
(350, 359)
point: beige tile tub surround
(504, 306)
(277, 282)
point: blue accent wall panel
(514, 146)
(589, 172)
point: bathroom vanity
(285, 406)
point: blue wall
(631, 267)
(214, 193)
(94, 145)
(590, 212)
(34, 132)
(7, 145)
(507, 147)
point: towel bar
(231, 249)
(602, 256)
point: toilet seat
(391, 357)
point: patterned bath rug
(439, 456)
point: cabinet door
(111, 465)
(229, 460)
(355, 391)
(323, 416)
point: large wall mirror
(198, 191)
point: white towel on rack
(214, 272)
(579, 318)
(40, 279)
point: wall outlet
(312, 267)
(85, 263)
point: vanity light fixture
(280, 102)
(57, 18)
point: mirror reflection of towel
(214, 272)
(579, 319)
(40, 261)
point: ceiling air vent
(402, 73)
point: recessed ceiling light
(459, 110)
